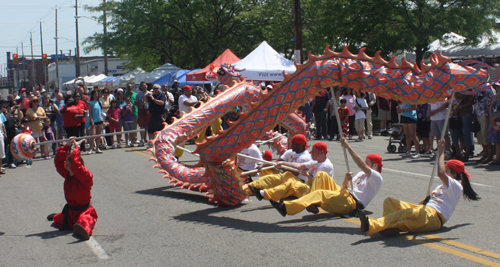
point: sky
(19, 17)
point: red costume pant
(86, 218)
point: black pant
(321, 127)
(72, 131)
(334, 127)
(352, 126)
(10, 136)
(81, 132)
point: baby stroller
(397, 136)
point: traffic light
(45, 60)
(15, 58)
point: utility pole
(24, 65)
(32, 79)
(44, 68)
(57, 60)
(16, 82)
(298, 31)
(106, 70)
(77, 61)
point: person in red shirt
(81, 102)
(78, 214)
(72, 116)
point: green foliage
(192, 33)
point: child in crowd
(114, 122)
(48, 134)
(128, 119)
(344, 117)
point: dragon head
(225, 74)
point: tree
(392, 25)
(186, 33)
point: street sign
(58, 56)
(111, 70)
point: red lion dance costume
(78, 214)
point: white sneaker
(90, 152)
(405, 155)
(119, 145)
(415, 156)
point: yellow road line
(443, 248)
(143, 153)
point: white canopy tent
(95, 79)
(264, 64)
(451, 45)
(157, 73)
(126, 78)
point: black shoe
(256, 192)
(313, 209)
(79, 230)
(279, 206)
(50, 217)
(365, 226)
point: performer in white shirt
(356, 193)
(407, 217)
(298, 187)
(298, 154)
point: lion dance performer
(78, 214)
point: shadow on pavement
(164, 191)
(399, 240)
(205, 217)
(51, 234)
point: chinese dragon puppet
(263, 110)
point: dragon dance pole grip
(256, 170)
(270, 140)
(188, 151)
(443, 132)
(268, 162)
(90, 136)
(336, 108)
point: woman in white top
(407, 217)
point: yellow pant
(406, 217)
(270, 181)
(326, 193)
(297, 188)
(178, 152)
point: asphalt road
(144, 221)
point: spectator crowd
(84, 111)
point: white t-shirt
(440, 116)
(170, 97)
(365, 189)
(290, 156)
(183, 107)
(249, 164)
(444, 199)
(360, 114)
(315, 167)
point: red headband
(300, 139)
(377, 159)
(457, 166)
(321, 147)
(268, 155)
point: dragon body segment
(405, 82)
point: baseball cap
(186, 87)
(22, 90)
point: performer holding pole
(356, 192)
(297, 154)
(403, 216)
(78, 214)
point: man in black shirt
(319, 109)
(156, 105)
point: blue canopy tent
(167, 79)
